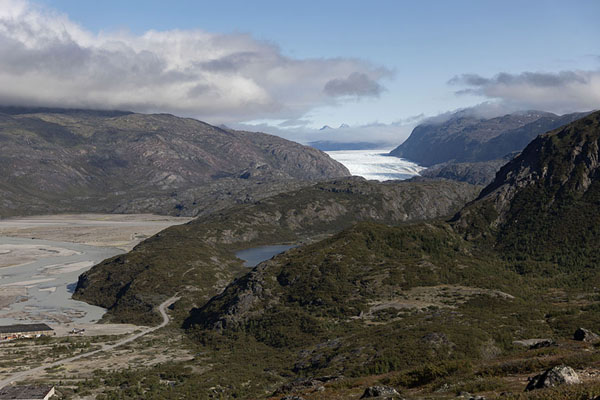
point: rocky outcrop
(556, 376)
(585, 335)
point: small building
(9, 332)
(27, 392)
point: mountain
(111, 161)
(466, 138)
(544, 204)
(203, 251)
(428, 306)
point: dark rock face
(560, 375)
(585, 335)
(380, 392)
(86, 161)
(464, 138)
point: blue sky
(407, 52)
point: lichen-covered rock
(585, 335)
(559, 375)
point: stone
(381, 392)
(556, 376)
(585, 335)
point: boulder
(585, 335)
(380, 392)
(534, 343)
(559, 375)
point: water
(376, 164)
(50, 282)
(253, 257)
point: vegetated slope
(375, 299)
(94, 161)
(198, 258)
(464, 138)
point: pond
(254, 256)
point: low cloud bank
(48, 60)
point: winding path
(106, 347)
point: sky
(291, 67)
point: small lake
(254, 256)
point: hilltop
(203, 251)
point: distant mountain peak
(343, 126)
(325, 127)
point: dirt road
(107, 347)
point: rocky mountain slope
(202, 251)
(465, 138)
(92, 161)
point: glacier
(376, 164)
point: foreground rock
(585, 335)
(556, 376)
(380, 392)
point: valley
(299, 200)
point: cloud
(560, 92)
(48, 60)
(356, 84)
(385, 135)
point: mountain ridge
(466, 138)
(112, 161)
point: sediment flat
(41, 258)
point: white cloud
(49, 60)
(561, 92)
